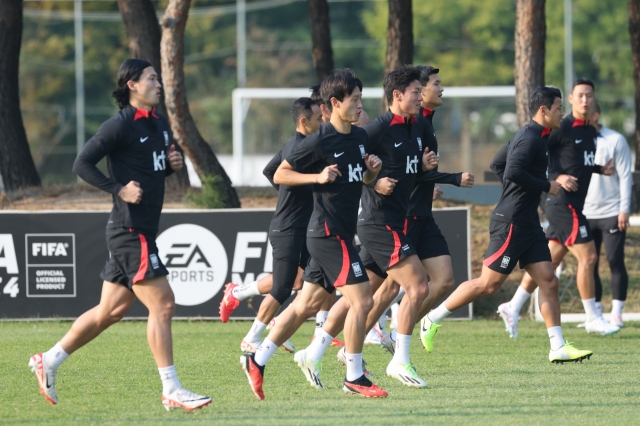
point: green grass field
(477, 375)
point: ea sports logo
(196, 261)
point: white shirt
(610, 195)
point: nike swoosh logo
(578, 141)
(47, 382)
(613, 231)
(338, 155)
(143, 140)
(397, 144)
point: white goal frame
(241, 100)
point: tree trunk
(184, 130)
(16, 164)
(321, 38)
(143, 32)
(530, 36)
(399, 38)
(634, 36)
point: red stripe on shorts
(406, 225)
(395, 256)
(488, 261)
(344, 272)
(144, 263)
(574, 228)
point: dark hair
(301, 108)
(130, 70)
(339, 85)
(581, 81)
(399, 79)
(315, 95)
(425, 72)
(543, 96)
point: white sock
(518, 299)
(354, 366)
(616, 307)
(170, 382)
(321, 318)
(319, 345)
(599, 308)
(439, 313)
(54, 357)
(403, 343)
(255, 333)
(246, 291)
(590, 308)
(555, 338)
(264, 352)
(394, 335)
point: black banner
(50, 262)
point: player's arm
(306, 154)
(500, 162)
(176, 162)
(623, 169)
(374, 164)
(521, 157)
(607, 170)
(270, 170)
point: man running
(607, 209)
(572, 162)
(287, 233)
(136, 144)
(515, 229)
(336, 161)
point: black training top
(335, 205)
(572, 151)
(295, 203)
(523, 169)
(136, 144)
(421, 202)
(397, 141)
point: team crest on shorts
(505, 262)
(155, 264)
(419, 143)
(362, 152)
(166, 137)
(583, 231)
(357, 270)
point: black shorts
(567, 225)
(289, 253)
(511, 243)
(385, 246)
(426, 237)
(334, 263)
(133, 257)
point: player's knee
(490, 287)
(590, 259)
(280, 294)
(448, 284)
(363, 305)
(307, 310)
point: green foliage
(477, 375)
(209, 196)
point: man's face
(554, 115)
(350, 107)
(147, 89)
(432, 92)
(409, 101)
(314, 122)
(582, 100)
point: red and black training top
(335, 205)
(572, 150)
(136, 144)
(398, 142)
(522, 167)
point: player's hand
(467, 181)
(429, 160)
(437, 192)
(555, 188)
(374, 164)
(623, 221)
(385, 185)
(175, 158)
(568, 183)
(329, 174)
(131, 193)
(608, 169)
